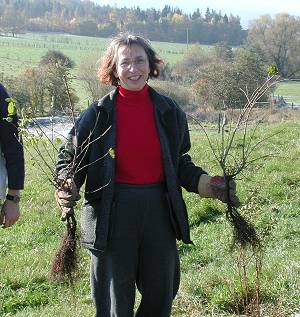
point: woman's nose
(132, 66)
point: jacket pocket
(173, 219)
(88, 222)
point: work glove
(66, 198)
(215, 187)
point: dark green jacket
(95, 165)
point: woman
(131, 150)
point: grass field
(210, 284)
(26, 50)
(291, 91)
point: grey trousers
(142, 253)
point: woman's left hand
(215, 187)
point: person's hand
(66, 198)
(10, 213)
(215, 187)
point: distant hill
(87, 18)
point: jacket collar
(108, 101)
(159, 101)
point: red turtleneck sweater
(138, 151)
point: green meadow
(26, 50)
(210, 280)
(291, 91)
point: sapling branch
(44, 152)
(233, 157)
(234, 152)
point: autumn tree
(88, 75)
(42, 90)
(57, 68)
(8, 21)
(217, 82)
(194, 58)
(33, 85)
(279, 39)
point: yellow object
(11, 108)
(111, 152)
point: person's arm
(188, 172)
(67, 195)
(11, 145)
(196, 180)
(10, 211)
(12, 150)
(72, 154)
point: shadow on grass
(209, 214)
(19, 295)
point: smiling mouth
(135, 78)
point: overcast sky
(246, 10)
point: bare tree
(218, 79)
(88, 75)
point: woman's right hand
(66, 198)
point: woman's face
(132, 67)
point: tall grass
(210, 284)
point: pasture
(26, 50)
(291, 91)
(210, 281)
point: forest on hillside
(87, 18)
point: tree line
(212, 78)
(87, 18)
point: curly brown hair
(109, 59)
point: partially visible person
(11, 150)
